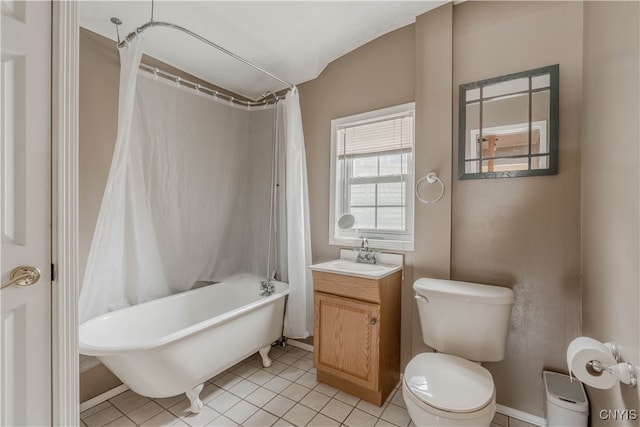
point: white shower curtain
(299, 317)
(188, 198)
(96, 300)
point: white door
(25, 212)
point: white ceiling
(294, 40)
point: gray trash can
(566, 401)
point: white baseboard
(103, 397)
(294, 343)
(522, 416)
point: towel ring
(431, 177)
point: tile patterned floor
(285, 394)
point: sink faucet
(365, 256)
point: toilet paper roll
(584, 350)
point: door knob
(23, 275)
(373, 321)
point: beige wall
(611, 190)
(386, 72)
(432, 248)
(524, 233)
(99, 80)
(95, 381)
(377, 75)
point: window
(372, 177)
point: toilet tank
(469, 320)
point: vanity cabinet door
(347, 337)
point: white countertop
(346, 265)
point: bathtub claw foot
(264, 353)
(194, 398)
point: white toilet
(465, 323)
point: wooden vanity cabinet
(357, 333)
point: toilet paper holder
(625, 372)
(615, 351)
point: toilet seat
(448, 383)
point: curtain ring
(431, 177)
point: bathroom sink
(346, 264)
(354, 266)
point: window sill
(398, 245)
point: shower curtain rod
(212, 92)
(132, 35)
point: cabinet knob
(373, 320)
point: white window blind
(382, 135)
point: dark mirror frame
(553, 126)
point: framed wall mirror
(509, 125)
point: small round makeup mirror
(346, 221)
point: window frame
(379, 239)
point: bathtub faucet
(267, 288)
(366, 256)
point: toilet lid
(449, 383)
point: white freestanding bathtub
(174, 344)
